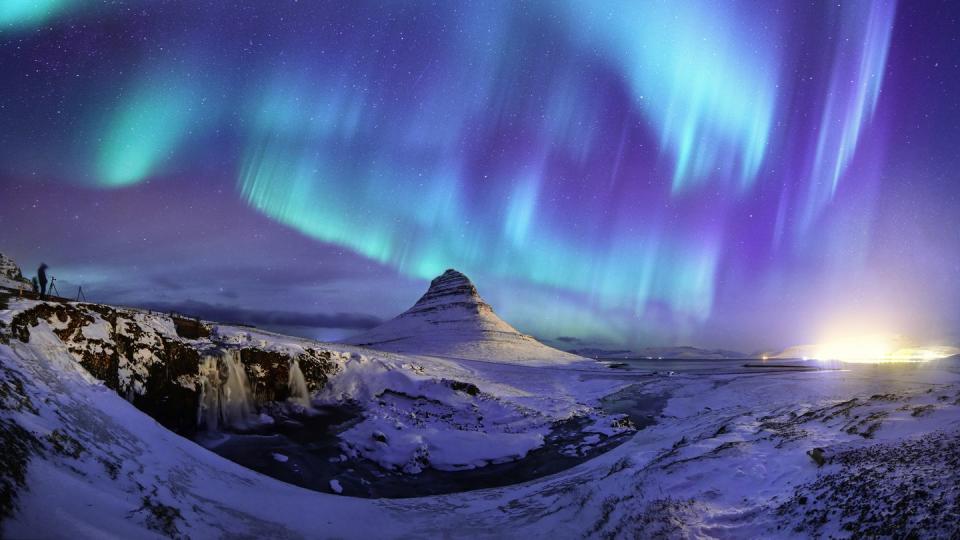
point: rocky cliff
(154, 360)
(10, 274)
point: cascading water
(297, 385)
(225, 396)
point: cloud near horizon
(230, 314)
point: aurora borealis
(736, 174)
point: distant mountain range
(661, 352)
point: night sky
(745, 175)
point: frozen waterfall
(225, 397)
(297, 384)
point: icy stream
(299, 443)
(304, 449)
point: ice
(225, 398)
(298, 385)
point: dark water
(663, 366)
(310, 446)
(708, 366)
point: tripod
(53, 287)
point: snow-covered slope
(451, 319)
(774, 455)
(429, 412)
(869, 450)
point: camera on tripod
(52, 289)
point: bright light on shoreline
(877, 349)
(853, 350)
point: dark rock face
(190, 328)
(450, 289)
(317, 367)
(158, 371)
(50, 312)
(268, 372)
(904, 489)
(468, 388)
(17, 444)
(165, 398)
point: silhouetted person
(42, 276)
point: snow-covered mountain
(451, 319)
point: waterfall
(298, 385)
(225, 397)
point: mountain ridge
(682, 352)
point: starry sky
(743, 174)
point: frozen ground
(730, 457)
(736, 452)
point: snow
(729, 456)
(413, 420)
(100, 329)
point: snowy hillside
(416, 413)
(93, 397)
(452, 320)
(775, 455)
(191, 375)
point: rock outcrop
(451, 319)
(10, 274)
(145, 357)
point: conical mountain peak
(451, 280)
(451, 319)
(450, 289)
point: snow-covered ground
(737, 451)
(417, 411)
(729, 457)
